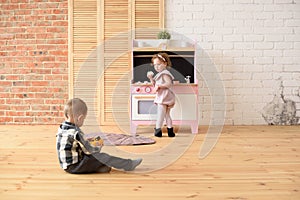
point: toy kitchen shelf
(185, 87)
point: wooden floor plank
(248, 162)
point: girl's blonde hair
(163, 57)
(75, 107)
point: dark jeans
(97, 162)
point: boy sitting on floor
(76, 155)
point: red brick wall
(33, 61)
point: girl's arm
(167, 82)
(152, 81)
(150, 76)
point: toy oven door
(143, 107)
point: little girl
(165, 97)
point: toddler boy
(76, 155)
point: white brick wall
(251, 45)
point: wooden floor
(248, 162)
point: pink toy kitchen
(185, 84)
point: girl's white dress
(164, 96)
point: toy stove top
(142, 88)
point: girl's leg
(168, 118)
(161, 113)
(169, 123)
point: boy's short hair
(75, 107)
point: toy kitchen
(185, 84)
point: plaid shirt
(71, 145)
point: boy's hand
(96, 141)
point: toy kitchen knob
(148, 89)
(137, 89)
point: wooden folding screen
(100, 35)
